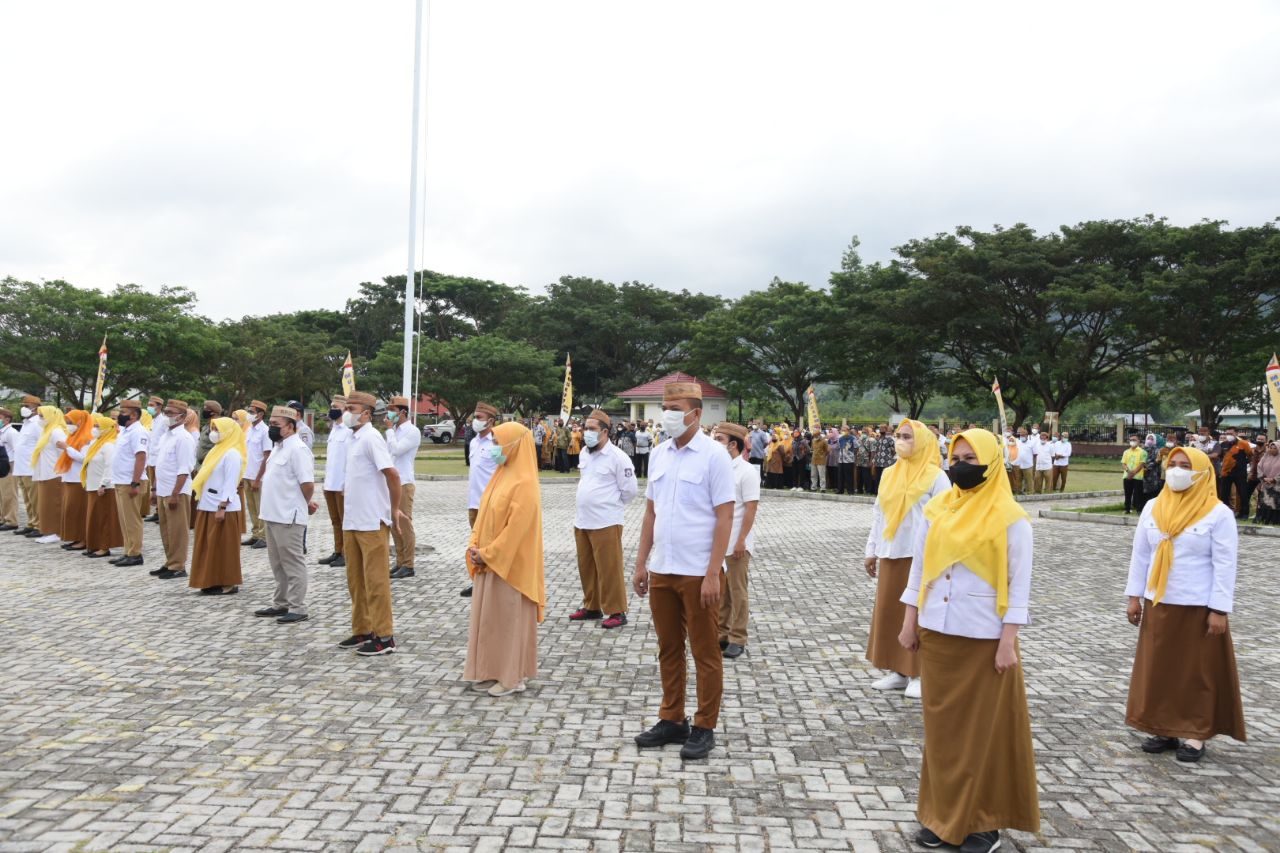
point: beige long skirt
(1184, 682)
(883, 649)
(502, 644)
(75, 506)
(49, 496)
(215, 557)
(102, 525)
(979, 771)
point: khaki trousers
(30, 500)
(333, 500)
(405, 541)
(368, 556)
(1042, 481)
(9, 500)
(676, 604)
(734, 601)
(130, 521)
(600, 568)
(253, 503)
(1059, 478)
(175, 532)
(286, 551)
(144, 499)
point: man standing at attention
(8, 482)
(403, 440)
(258, 446)
(27, 437)
(335, 466)
(482, 464)
(734, 610)
(127, 472)
(608, 484)
(287, 490)
(1061, 461)
(687, 521)
(174, 462)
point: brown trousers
(9, 500)
(405, 540)
(130, 521)
(734, 601)
(144, 499)
(600, 569)
(676, 604)
(368, 556)
(1059, 478)
(30, 500)
(1042, 481)
(175, 531)
(471, 517)
(333, 500)
(253, 505)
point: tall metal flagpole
(405, 382)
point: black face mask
(273, 433)
(208, 413)
(123, 420)
(966, 475)
(335, 414)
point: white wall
(713, 411)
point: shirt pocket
(690, 486)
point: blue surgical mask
(590, 437)
(393, 416)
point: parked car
(440, 433)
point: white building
(645, 401)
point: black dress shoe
(249, 543)
(33, 533)
(1159, 744)
(259, 543)
(271, 611)
(466, 593)
(94, 555)
(700, 743)
(153, 518)
(130, 561)
(663, 733)
(338, 562)
(733, 650)
(217, 590)
(1190, 754)
(406, 572)
(22, 531)
(926, 837)
(4, 527)
(290, 618)
(115, 561)
(155, 573)
(981, 842)
(324, 561)
(169, 574)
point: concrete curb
(1132, 521)
(869, 499)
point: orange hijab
(78, 439)
(508, 530)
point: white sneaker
(50, 539)
(913, 689)
(482, 686)
(892, 681)
(498, 690)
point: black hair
(733, 439)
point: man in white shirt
(174, 463)
(335, 466)
(1061, 461)
(734, 606)
(22, 471)
(128, 470)
(305, 434)
(258, 449)
(482, 464)
(687, 521)
(644, 446)
(1044, 464)
(607, 485)
(155, 442)
(370, 508)
(403, 440)
(8, 482)
(1024, 465)
(287, 490)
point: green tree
(275, 358)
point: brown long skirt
(502, 644)
(1184, 682)
(979, 770)
(102, 525)
(50, 502)
(883, 649)
(75, 505)
(215, 558)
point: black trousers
(642, 464)
(1237, 480)
(1133, 498)
(833, 478)
(865, 486)
(847, 484)
(875, 480)
(774, 481)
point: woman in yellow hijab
(74, 504)
(967, 596)
(504, 558)
(905, 487)
(44, 472)
(1182, 577)
(241, 417)
(102, 525)
(215, 557)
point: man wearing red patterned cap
(607, 485)
(258, 449)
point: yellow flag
(815, 422)
(1273, 385)
(566, 400)
(102, 373)
(348, 376)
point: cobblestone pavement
(139, 716)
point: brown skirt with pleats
(74, 506)
(102, 525)
(883, 649)
(215, 557)
(1184, 682)
(979, 771)
(502, 644)
(49, 497)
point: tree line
(1112, 312)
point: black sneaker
(271, 611)
(338, 562)
(700, 743)
(1159, 744)
(663, 733)
(377, 646)
(926, 837)
(981, 842)
(355, 641)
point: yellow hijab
(1173, 512)
(241, 417)
(53, 419)
(230, 437)
(508, 530)
(971, 526)
(907, 480)
(78, 439)
(146, 419)
(107, 433)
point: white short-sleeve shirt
(257, 445)
(483, 467)
(291, 464)
(402, 443)
(366, 502)
(335, 463)
(686, 484)
(176, 456)
(130, 441)
(608, 484)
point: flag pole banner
(102, 373)
(348, 376)
(566, 399)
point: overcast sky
(258, 152)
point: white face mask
(590, 437)
(351, 420)
(254, 417)
(215, 436)
(1180, 479)
(478, 425)
(97, 433)
(71, 428)
(25, 412)
(673, 423)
